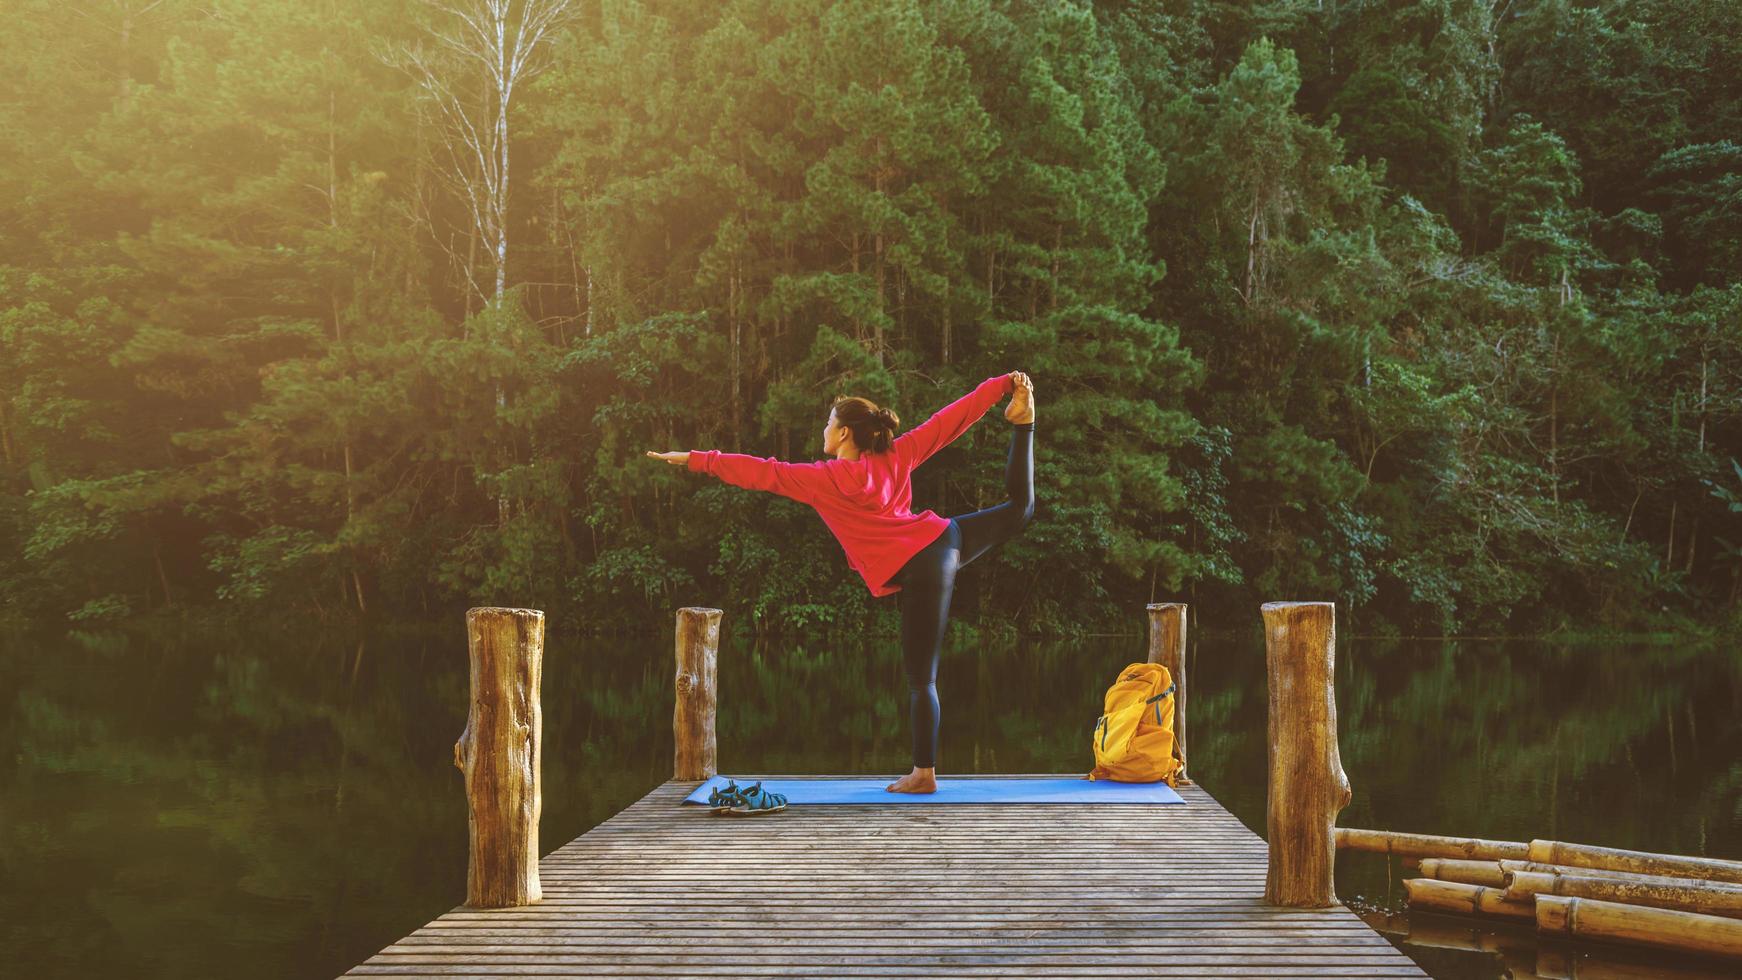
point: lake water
(221, 805)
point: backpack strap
(1157, 698)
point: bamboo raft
(1657, 901)
(901, 889)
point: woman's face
(835, 436)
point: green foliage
(268, 564)
(1397, 304)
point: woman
(864, 495)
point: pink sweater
(866, 501)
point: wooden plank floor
(947, 890)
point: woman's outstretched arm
(917, 444)
(803, 482)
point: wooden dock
(665, 889)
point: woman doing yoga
(864, 495)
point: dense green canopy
(1430, 308)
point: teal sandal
(753, 800)
(724, 799)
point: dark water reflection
(214, 806)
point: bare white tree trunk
(481, 50)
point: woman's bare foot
(1021, 409)
(917, 781)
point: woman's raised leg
(984, 528)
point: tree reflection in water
(221, 805)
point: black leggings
(929, 579)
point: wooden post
(1167, 647)
(692, 719)
(1307, 785)
(499, 753)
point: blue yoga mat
(953, 789)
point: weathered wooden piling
(693, 715)
(1167, 647)
(1307, 785)
(499, 754)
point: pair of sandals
(745, 800)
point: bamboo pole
(499, 753)
(1540, 855)
(693, 714)
(1453, 896)
(1307, 786)
(1643, 862)
(1537, 866)
(1486, 873)
(1167, 646)
(1429, 845)
(1591, 918)
(1686, 894)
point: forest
(344, 311)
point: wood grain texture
(1307, 786)
(697, 686)
(499, 754)
(902, 890)
(1167, 647)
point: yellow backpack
(1133, 740)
